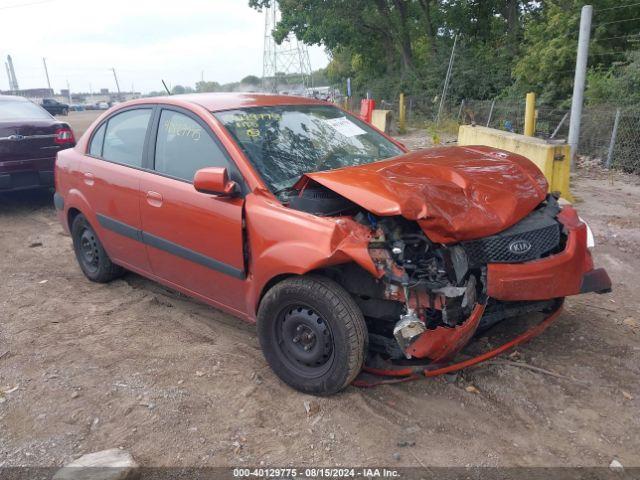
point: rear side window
(17, 110)
(95, 148)
(124, 137)
(183, 146)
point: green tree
(547, 63)
(619, 85)
(251, 80)
(208, 87)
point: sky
(180, 41)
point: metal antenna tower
(284, 63)
(13, 81)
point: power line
(616, 21)
(619, 6)
(632, 35)
(18, 5)
(609, 53)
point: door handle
(154, 199)
(89, 179)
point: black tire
(65, 112)
(93, 259)
(330, 330)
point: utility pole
(447, 79)
(117, 84)
(579, 79)
(69, 92)
(46, 72)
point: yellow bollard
(530, 115)
(401, 115)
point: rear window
(17, 110)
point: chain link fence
(616, 144)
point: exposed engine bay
(426, 285)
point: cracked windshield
(285, 142)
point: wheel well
(350, 276)
(71, 215)
(271, 283)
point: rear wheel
(312, 333)
(65, 111)
(92, 257)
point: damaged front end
(460, 239)
(429, 299)
(443, 298)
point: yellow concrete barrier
(553, 159)
(381, 119)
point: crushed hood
(454, 193)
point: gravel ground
(87, 367)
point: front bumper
(569, 272)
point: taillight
(64, 136)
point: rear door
(109, 178)
(194, 240)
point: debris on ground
(406, 443)
(471, 389)
(616, 466)
(311, 407)
(112, 464)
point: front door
(193, 240)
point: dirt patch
(132, 364)
(80, 121)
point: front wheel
(312, 334)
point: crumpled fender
(286, 241)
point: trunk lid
(454, 193)
(29, 139)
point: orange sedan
(292, 213)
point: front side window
(21, 110)
(183, 147)
(124, 137)
(284, 142)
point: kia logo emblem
(519, 247)
(16, 137)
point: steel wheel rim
(304, 341)
(88, 249)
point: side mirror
(214, 180)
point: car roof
(230, 101)
(14, 98)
